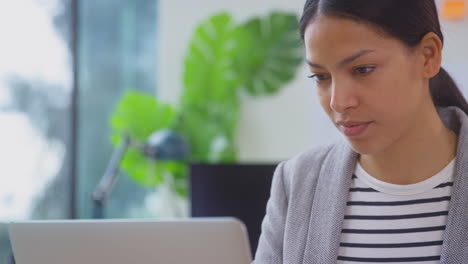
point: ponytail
(445, 92)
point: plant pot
(236, 190)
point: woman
(394, 191)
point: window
(35, 99)
(116, 50)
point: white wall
(275, 128)
(455, 58)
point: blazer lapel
(455, 245)
(329, 205)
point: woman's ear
(430, 48)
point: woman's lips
(353, 128)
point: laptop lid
(197, 241)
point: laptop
(195, 241)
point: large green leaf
(210, 100)
(209, 65)
(271, 53)
(138, 116)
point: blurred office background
(65, 63)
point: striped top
(390, 223)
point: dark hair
(408, 21)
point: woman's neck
(420, 154)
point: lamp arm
(108, 180)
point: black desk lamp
(161, 145)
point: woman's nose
(343, 98)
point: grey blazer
(308, 198)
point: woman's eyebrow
(343, 62)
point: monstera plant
(138, 116)
(224, 60)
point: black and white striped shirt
(390, 223)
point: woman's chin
(364, 147)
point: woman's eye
(319, 77)
(365, 70)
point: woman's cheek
(324, 99)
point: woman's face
(369, 84)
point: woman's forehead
(329, 37)
(342, 25)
